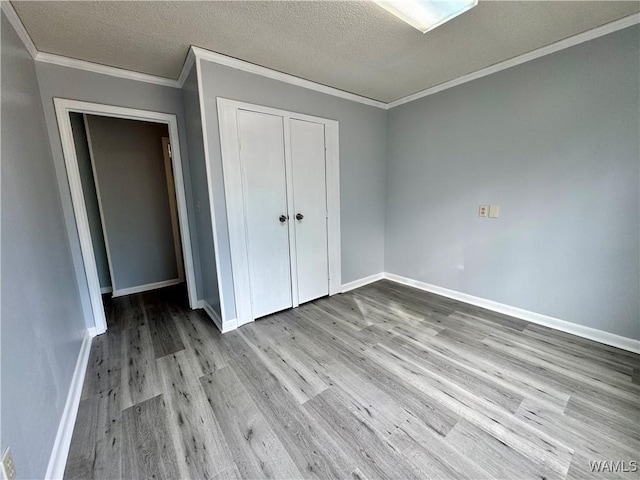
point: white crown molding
(104, 69)
(15, 21)
(201, 53)
(186, 67)
(220, 59)
(520, 59)
(44, 57)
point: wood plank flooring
(382, 382)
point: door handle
(283, 218)
(299, 216)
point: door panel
(310, 201)
(265, 200)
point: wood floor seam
(382, 382)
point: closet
(281, 188)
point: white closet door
(310, 208)
(262, 160)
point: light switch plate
(494, 211)
(482, 211)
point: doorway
(142, 234)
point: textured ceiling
(354, 46)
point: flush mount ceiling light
(425, 15)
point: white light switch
(483, 210)
(494, 211)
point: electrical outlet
(8, 467)
(482, 211)
(494, 211)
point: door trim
(94, 172)
(227, 119)
(167, 153)
(63, 108)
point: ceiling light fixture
(425, 15)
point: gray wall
(554, 142)
(90, 197)
(42, 318)
(129, 166)
(64, 82)
(202, 215)
(362, 164)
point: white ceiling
(353, 46)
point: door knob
(283, 218)
(299, 216)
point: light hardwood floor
(381, 382)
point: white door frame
(63, 108)
(87, 132)
(227, 118)
(173, 203)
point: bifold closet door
(310, 208)
(262, 158)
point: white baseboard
(60, 451)
(362, 282)
(147, 287)
(106, 290)
(601, 336)
(225, 326)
